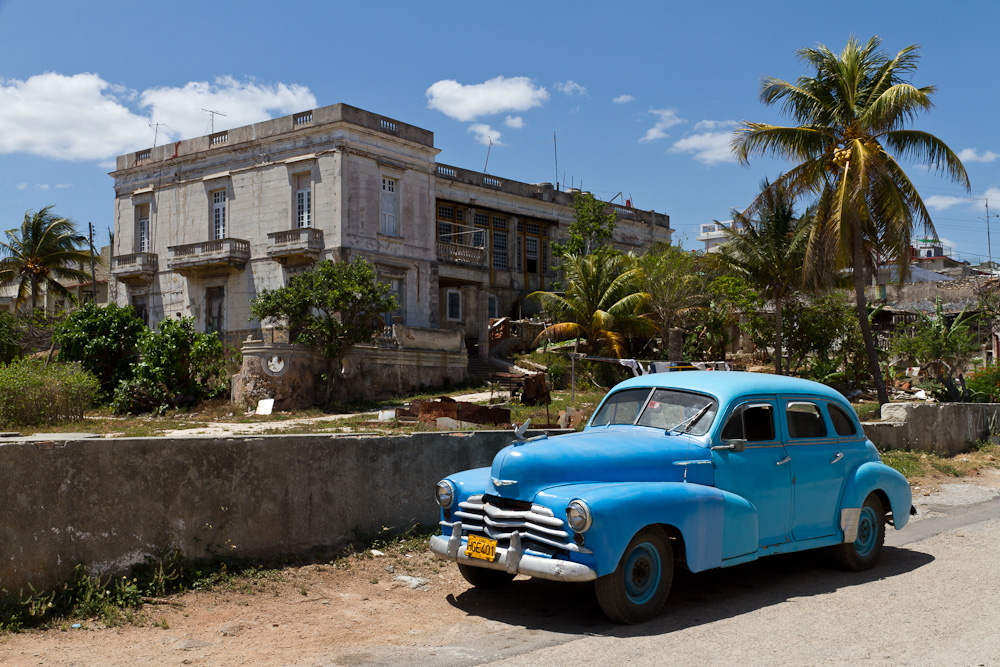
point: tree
(332, 307)
(603, 302)
(728, 297)
(768, 252)
(176, 366)
(939, 345)
(45, 249)
(676, 288)
(103, 339)
(590, 229)
(852, 116)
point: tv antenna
(213, 114)
(488, 149)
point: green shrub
(984, 384)
(33, 393)
(177, 366)
(103, 340)
(10, 336)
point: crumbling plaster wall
(945, 428)
(111, 503)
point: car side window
(804, 420)
(842, 422)
(753, 422)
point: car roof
(728, 385)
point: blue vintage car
(698, 469)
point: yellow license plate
(482, 548)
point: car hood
(602, 454)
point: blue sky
(641, 95)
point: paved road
(933, 600)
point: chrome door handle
(836, 458)
(783, 461)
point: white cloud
(709, 148)
(78, 117)
(242, 102)
(22, 186)
(943, 202)
(83, 117)
(623, 99)
(570, 88)
(993, 196)
(515, 122)
(703, 125)
(971, 155)
(497, 95)
(63, 186)
(484, 134)
(667, 118)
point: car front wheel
(638, 589)
(864, 551)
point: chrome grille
(536, 524)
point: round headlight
(578, 515)
(444, 493)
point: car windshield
(668, 409)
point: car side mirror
(734, 445)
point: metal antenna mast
(213, 114)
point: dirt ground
(356, 610)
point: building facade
(203, 225)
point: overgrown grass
(921, 467)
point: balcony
(222, 253)
(295, 246)
(135, 269)
(462, 255)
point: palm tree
(677, 288)
(768, 252)
(45, 249)
(603, 302)
(852, 116)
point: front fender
(621, 510)
(872, 476)
(467, 483)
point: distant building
(205, 224)
(713, 234)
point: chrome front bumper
(511, 559)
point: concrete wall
(945, 428)
(110, 503)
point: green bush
(33, 393)
(10, 336)
(103, 340)
(177, 366)
(984, 384)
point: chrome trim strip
(850, 517)
(783, 461)
(515, 558)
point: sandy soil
(394, 608)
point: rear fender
(622, 510)
(874, 476)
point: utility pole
(989, 245)
(93, 272)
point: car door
(759, 473)
(817, 468)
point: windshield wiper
(690, 421)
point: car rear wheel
(638, 589)
(864, 551)
(481, 577)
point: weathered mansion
(203, 225)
